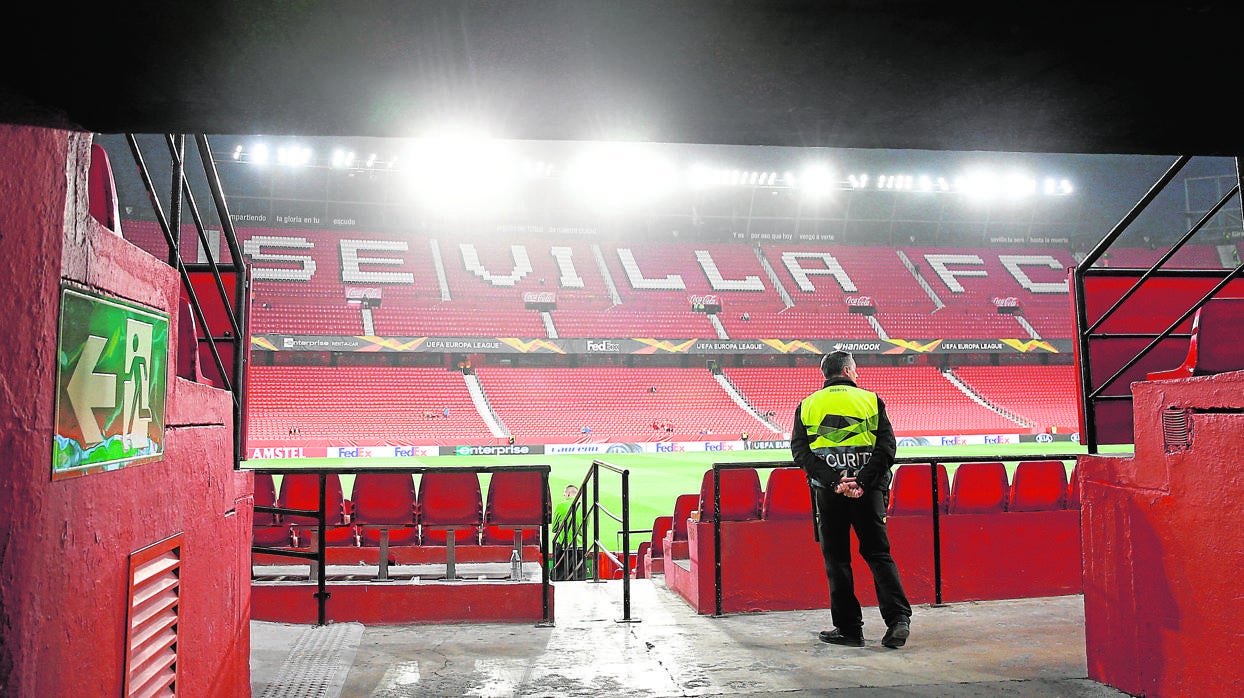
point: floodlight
(259, 154)
(619, 174)
(816, 180)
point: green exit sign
(111, 380)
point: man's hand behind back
(848, 487)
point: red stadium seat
(513, 505)
(102, 191)
(1217, 332)
(268, 529)
(302, 491)
(1073, 490)
(385, 501)
(911, 491)
(641, 555)
(979, 488)
(787, 495)
(740, 495)
(450, 501)
(1039, 486)
(660, 526)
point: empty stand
(787, 495)
(381, 403)
(615, 404)
(512, 512)
(911, 492)
(741, 497)
(979, 488)
(385, 503)
(1045, 396)
(919, 399)
(1038, 486)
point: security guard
(843, 440)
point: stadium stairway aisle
(1026, 647)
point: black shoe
(837, 637)
(896, 635)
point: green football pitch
(655, 480)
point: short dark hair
(835, 363)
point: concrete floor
(1028, 647)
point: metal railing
(574, 529)
(1086, 332)
(237, 309)
(318, 555)
(934, 495)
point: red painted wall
(1163, 548)
(65, 544)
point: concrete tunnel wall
(65, 544)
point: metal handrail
(237, 308)
(319, 555)
(934, 497)
(576, 527)
(1087, 331)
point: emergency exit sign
(111, 378)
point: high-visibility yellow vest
(841, 423)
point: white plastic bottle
(516, 566)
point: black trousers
(838, 515)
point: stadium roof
(1137, 77)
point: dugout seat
(188, 344)
(741, 498)
(653, 559)
(787, 495)
(385, 502)
(979, 488)
(513, 508)
(302, 491)
(268, 530)
(102, 190)
(1217, 333)
(1038, 486)
(1073, 489)
(641, 556)
(451, 506)
(911, 490)
(676, 540)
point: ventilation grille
(151, 631)
(1175, 428)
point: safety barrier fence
(935, 498)
(317, 556)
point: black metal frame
(1086, 332)
(237, 309)
(934, 494)
(318, 556)
(579, 535)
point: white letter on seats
(350, 261)
(938, 263)
(719, 283)
(565, 267)
(254, 248)
(832, 268)
(673, 282)
(522, 265)
(1014, 263)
